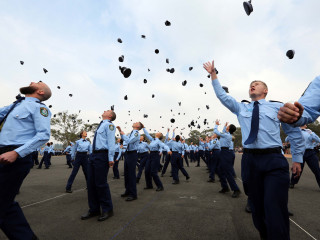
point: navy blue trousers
(192, 156)
(68, 157)
(151, 171)
(226, 170)
(310, 157)
(130, 179)
(115, 167)
(80, 160)
(35, 158)
(164, 155)
(266, 182)
(45, 160)
(144, 158)
(12, 220)
(165, 166)
(177, 164)
(99, 196)
(213, 163)
(186, 154)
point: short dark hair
(113, 116)
(48, 144)
(141, 126)
(80, 135)
(177, 138)
(232, 128)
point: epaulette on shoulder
(245, 101)
(275, 101)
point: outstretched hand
(290, 113)
(209, 67)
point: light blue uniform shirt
(105, 138)
(269, 124)
(231, 146)
(118, 150)
(311, 103)
(177, 147)
(155, 144)
(201, 145)
(45, 149)
(143, 147)
(186, 147)
(168, 143)
(225, 138)
(27, 125)
(310, 138)
(215, 144)
(81, 145)
(132, 141)
(68, 149)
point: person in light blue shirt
(176, 160)
(25, 127)
(192, 152)
(167, 141)
(35, 155)
(67, 151)
(79, 155)
(265, 171)
(214, 163)
(101, 159)
(117, 156)
(45, 152)
(201, 149)
(186, 151)
(143, 153)
(130, 162)
(306, 110)
(226, 160)
(153, 164)
(310, 156)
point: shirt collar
(32, 99)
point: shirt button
(17, 115)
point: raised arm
(221, 94)
(147, 134)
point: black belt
(309, 150)
(82, 153)
(154, 151)
(224, 148)
(100, 151)
(8, 148)
(134, 151)
(262, 151)
(215, 149)
(175, 152)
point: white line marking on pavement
(295, 223)
(46, 200)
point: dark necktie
(95, 136)
(12, 107)
(254, 124)
(129, 139)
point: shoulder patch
(136, 134)
(111, 127)
(44, 112)
(245, 101)
(214, 142)
(275, 101)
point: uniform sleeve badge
(44, 112)
(136, 134)
(111, 127)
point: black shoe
(187, 177)
(125, 195)
(211, 180)
(161, 175)
(290, 214)
(138, 179)
(175, 182)
(236, 194)
(146, 188)
(116, 177)
(159, 189)
(34, 237)
(70, 167)
(105, 216)
(46, 168)
(170, 175)
(129, 199)
(291, 185)
(248, 208)
(38, 167)
(197, 166)
(89, 215)
(224, 190)
(68, 191)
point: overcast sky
(76, 41)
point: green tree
(66, 127)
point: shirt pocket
(246, 114)
(273, 116)
(22, 115)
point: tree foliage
(66, 127)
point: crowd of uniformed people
(264, 169)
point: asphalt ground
(191, 210)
